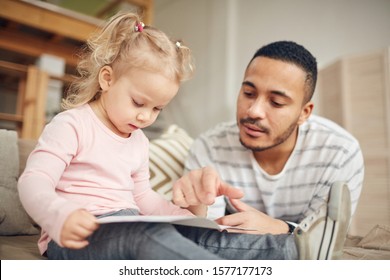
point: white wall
(224, 34)
(201, 24)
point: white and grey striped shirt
(324, 153)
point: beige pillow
(13, 218)
(167, 155)
(378, 238)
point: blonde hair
(120, 45)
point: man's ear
(105, 77)
(306, 112)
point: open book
(177, 220)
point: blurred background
(349, 38)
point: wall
(224, 34)
(201, 25)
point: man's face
(270, 104)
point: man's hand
(77, 227)
(200, 187)
(251, 218)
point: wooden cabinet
(30, 29)
(28, 112)
(355, 92)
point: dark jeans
(153, 241)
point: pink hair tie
(139, 27)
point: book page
(177, 220)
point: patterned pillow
(167, 155)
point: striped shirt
(324, 153)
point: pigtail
(102, 48)
(186, 63)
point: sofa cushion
(21, 247)
(14, 219)
(26, 146)
(167, 155)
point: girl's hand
(77, 227)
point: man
(279, 158)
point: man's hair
(291, 52)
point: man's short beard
(279, 140)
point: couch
(19, 234)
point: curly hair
(119, 45)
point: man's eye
(277, 104)
(158, 109)
(136, 103)
(249, 94)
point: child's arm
(44, 168)
(152, 203)
(198, 210)
(148, 201)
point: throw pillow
(167, 155)
(14, 219)
(377, 239)
(25, 146)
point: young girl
(92, 159)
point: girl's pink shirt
(79, 163)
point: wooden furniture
(32, 29)
(355, 92)
(35, 27)
(31, 97)
(31, 94)
(29, 29)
